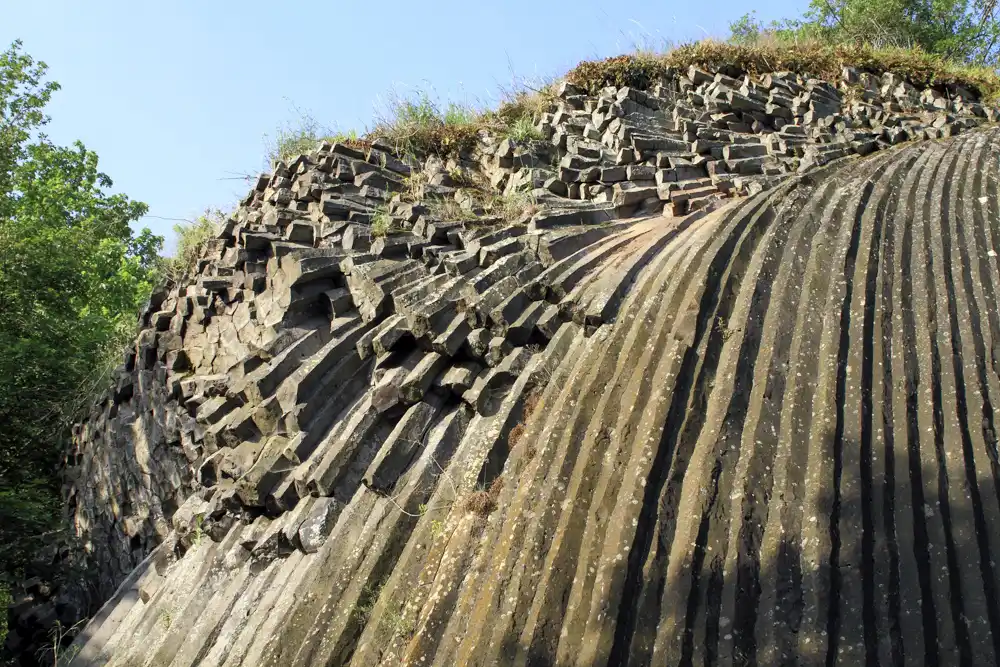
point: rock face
(734, 408)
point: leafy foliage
(746, 30)
(5, 601)
(965, 31)
(72, 275)
(190, 240)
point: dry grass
(531, 403)
(447, 209)
(515, 436)
(812, 58)
(511, 208)
(521, 110)
(484, 501)
(413, 185)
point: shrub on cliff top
(417, 125)
(303, 135)
(191, 237)
(963, 31)
(814, 58)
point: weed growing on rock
(381, 223)
(413, 186)
(398, 624)
(197, 533)
(366, 602)
(191, 239)
(302, 136)
(523, 129)
(58, 637)
(527, 99)
(447, 209)
(461, 177)
(351, 138)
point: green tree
(746, 29)
(965, 31)
(72, 275)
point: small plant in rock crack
(398, 624)
(366, 602)
(437, 528)
(413, 185)
(724, 329)
(447, 209)
(511, 207)
(198, 532)
(58, 636)
(381, 223)
(461, 177)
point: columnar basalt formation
(715, 396)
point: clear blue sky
(176, 97)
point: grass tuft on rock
(381, 223)
(417, 125)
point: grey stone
(316, 527)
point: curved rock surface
(763, 434)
